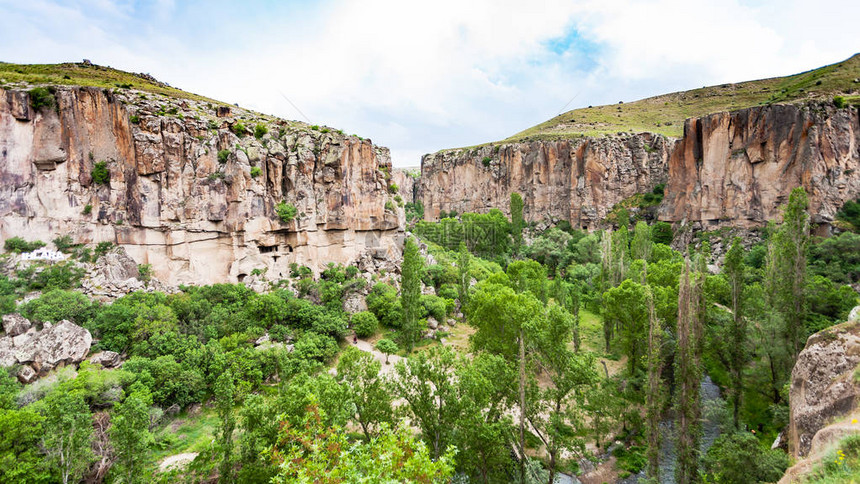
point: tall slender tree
(640, 246)
(410, 292)
(225, 398)
(733, 268)
(130, 436)
(68, 433)
(606, 280)
(517, 222)
(654, 397)
(688, 376)
(463, 277)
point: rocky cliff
(578, 180)
(193, 186)
(734, 168)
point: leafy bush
(260, 130)
(64, 243)
(839, 102)
(365, 324)
(57, 276)
(223, 156)
(389, 206)
(88, 209)
(383, 302)
(41, 97)
(313, 346)
(135, 119)
(286, 212)
(256, 171)
(58, 304)
(101, 174)
(145, 272)
(239, 129)
(661, 233)
(102, 248)
(18, 245)
(392, 188)
(434, 306)
(486, 161)
(739, 457)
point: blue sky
(422, 76)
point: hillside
(665, 114)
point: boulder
(26, 374)
(15, 324)
(57, 345)
(823, 388)
(107, 359)
(354, 303)
(7, 352)
(262, 339)
(432, 323)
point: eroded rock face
(55, 345)
(822, 384)
(578, 180)
(729, 169)
(182, 195)
(15, 324)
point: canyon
(728, 169)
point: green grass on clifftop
(80, 74)
(665, 114)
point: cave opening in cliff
(267, 249)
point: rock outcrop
(734, 169)
(577, 180)
(41, 351)
(823, 385)
(193, 187)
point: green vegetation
(101, 174)
(665, 114)
(286, 212)
(88, 209)
(18, 245)
(260, 130)
(41, 97)
(365, 324)
(223, 156)
(256, 171)
(79, 74)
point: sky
(419, 76)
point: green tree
(365, 324)
(739, 458)
(410, 292)
(20, 457)
(626, 306)
(733, 268)
(424, 381)
(225, 398)
(130, 436)
(387, 347)
(640, 246)
(9, 387)
(688, 377)
(654, 396)
(312, 452)
(786, 267)
(517, 222)
(359, 374)
(464, 279)
(68, 433)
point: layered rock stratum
(732, 168)
(191, 191)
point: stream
(710, 393)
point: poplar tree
(688, 376)
(225, 398)
(733, 268)
(517, 222)
(410, 292)
(640, 247)
(606, 253)
(463, 277)
(654, 397)
(130, 436)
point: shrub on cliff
(18, 245)
(256, 171)
(41, 97)
(286, 212)
(239, 129)
(101, 174)
(839, 101)
(260, 130)
(223, 156)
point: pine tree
(688, 376)
(733, 268)
(410, 292)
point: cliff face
(733, 168)
(740, 167)
(186, 194)
(577, 180)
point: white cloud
(420, 76)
